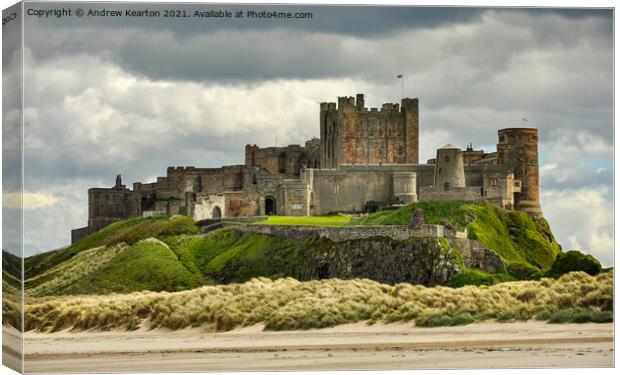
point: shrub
(476, 276)
(439, 320)
(472, 276)
(523, 271)
(512, 315)
(580, 315)
(575, 261)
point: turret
(410, 112)
(359, 101)
(517, 149)
(449, 170)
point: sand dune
(351, 346)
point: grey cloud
(365, 21)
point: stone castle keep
(362, 155)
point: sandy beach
(351, 346)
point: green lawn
(333, 220)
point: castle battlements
(357, 104)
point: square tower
(353, 134)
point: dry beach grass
(288, 304)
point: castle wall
(179, 188)
(344, 233)
(109, 205)
(79, 233)
(296, 198)
(499, 189)
(350, 187)
(241, 203)
(287, 160)
(339, 191)
(210, 207)
(465, 193)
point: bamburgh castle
(363, 155)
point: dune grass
(288, 304)
(327, 220)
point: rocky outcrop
(474, 254)
(417, 220)
(416, 260)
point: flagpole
(403, 85)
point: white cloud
(582, 219)
(27, 200)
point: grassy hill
(11, 269)
(180, 262)
(168, 254)
(515, 236)
(158, 254)
(129, 231)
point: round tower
(405, 187)
(449, 171)
(517, 149)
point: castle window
(446, 158)
(296, 206)
(401, 150)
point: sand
(351, 346)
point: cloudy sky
(133, 96)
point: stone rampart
(397, 232)
(244, 219)
(466, 193)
